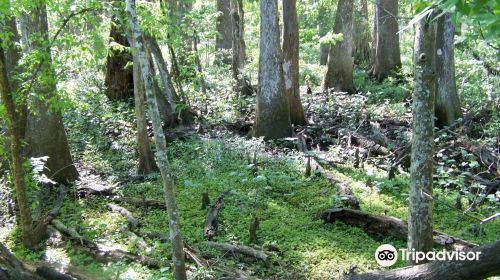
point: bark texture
(239, 47)
(147, 162)
(291, 61)
(223, 42)
(362, 37)
(161, 146)
(273, 111)
(487, 266)
(447, 102)
(119, 80)
(338, 75)
(386, 53)
(422, 151)
(45, 132)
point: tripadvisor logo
(387, 255)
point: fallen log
(212, 217)
(380, 227)
(141, 202)
(12, 269)
(362, 141)
(488, 265)
(488, 158)
(104, 253)
(240, 249)
(96, 189)
(132, 221)
(194, 255)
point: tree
(291, 61)
(239, 47)
(272, 111)
(45, 132)
(386, 54)
(119, 78)
(161, 145)
(147, 162)
(420, 233)
(339, 72)
(447, 102)
(223, 41)
(361, 32)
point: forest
(249, 139)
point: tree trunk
(147, 162)
(488, 265)
(324, 50)
(45, 132)
(338, 75)
(119, 80)
(386, 56)
(238, 47)
(291, 61)
(223, 42)
(361, 32)
(447, 102)
(422, 151)
(272, 110)
(161, 146)
(15, 151)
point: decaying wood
(132, 221)
(12, 269)
(488, 265)
(380, 227)
(103, 253)
(195, 255)
(141, 202)
(212, 217)
(94, 189)
(240, 249)
(363, 141)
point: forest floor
(259, 179)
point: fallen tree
(212, 217)
(141, 202)
(240, 249)
(380, 227)
(488, 265)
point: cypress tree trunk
(45, 132)
(339, 72)
(447, 102)
(272, 112)
(161, 146)
(223, 42)
(291, 61)
(362, 35)
(238, 47)
(386, 56)
(420, 234)
(15, 151)
(147, 162)
(119, 80)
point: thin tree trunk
(386, 56)
(45, 132)
(15, 150)
(447, 102)
(199, 69)
(147, 162)
(291, 61)
(362, 35)
(119, 80)
(161, 146)
(272, 111)
(238, 47)
(420, 233)
(338, 75)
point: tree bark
(161, 146)
(45, 132)
(223, 41)
(361, 33)
(291, 61)
(338, 75)
(447, 102)
(119, 80)
(386, 56)
(422, 149)
(147, 162)
(488, 265)
(272, 111)
(238, 47)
